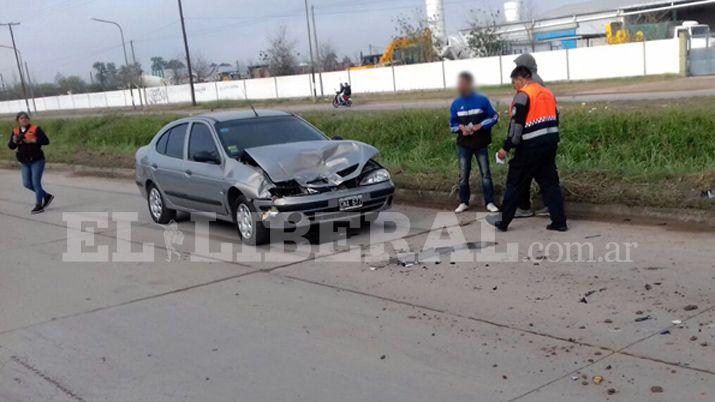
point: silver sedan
(257, 169)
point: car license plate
(350, 203)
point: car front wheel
(250, 228)
(157, 208)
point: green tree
(158, 64)
(70, 84)
(281, 56)
(176, 68)
(484, 39)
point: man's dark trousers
(538, 164)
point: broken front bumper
(325, 207)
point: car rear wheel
(250, 228)
(157, 208)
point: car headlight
(374, 177)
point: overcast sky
(58, 36)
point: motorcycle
(342, 101)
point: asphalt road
(318, 323)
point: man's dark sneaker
(524, 213)
(542, 212)
(559, 228)
(500, 226)
(37, 210)
(495, 221)
(48, 200)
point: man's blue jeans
(32, 178)
(465, 170)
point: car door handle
(154, 166)
(187, 172)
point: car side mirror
(206, 157)
(338, 138)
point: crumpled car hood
(313, 163)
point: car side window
(175, 143)
(161, 144)
(201, 140)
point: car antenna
(253, 108)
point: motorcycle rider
(343, 95)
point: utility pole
(29, 85)
(317, 49)
(188, 56)
(134, 70)
(126, 59)
(2, 83)
(19, 65)
(310, 47)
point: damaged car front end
(326, 181)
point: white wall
(261, 88)
(372, 80)
(606, 61)
(419, 76)
(332, 80)
(657, 57)
(296, 86)
(486, 70)
(234, 90)
(628, 60)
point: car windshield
(701, 31)
(237, 135)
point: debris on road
(644, 318)
(584, 299)
(597, 379)
(656, 389)
(690, 307)
(708, 194)
(677, 322)
(611, 391)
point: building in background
(585, 24)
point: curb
(703, 219)
(80, 170)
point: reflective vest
(543, 117)
(30, 134)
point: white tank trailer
(435, 16)
(512, 11)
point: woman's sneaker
(492, 208)
(48, 200)
(37, 210)
(461, 208)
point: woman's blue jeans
(465, 170)
(32, 179)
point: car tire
(251, 230)
(157, 207)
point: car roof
(241, 114)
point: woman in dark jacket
(28, 140)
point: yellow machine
(617, 34)
(414, 47)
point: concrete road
(346, 318)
